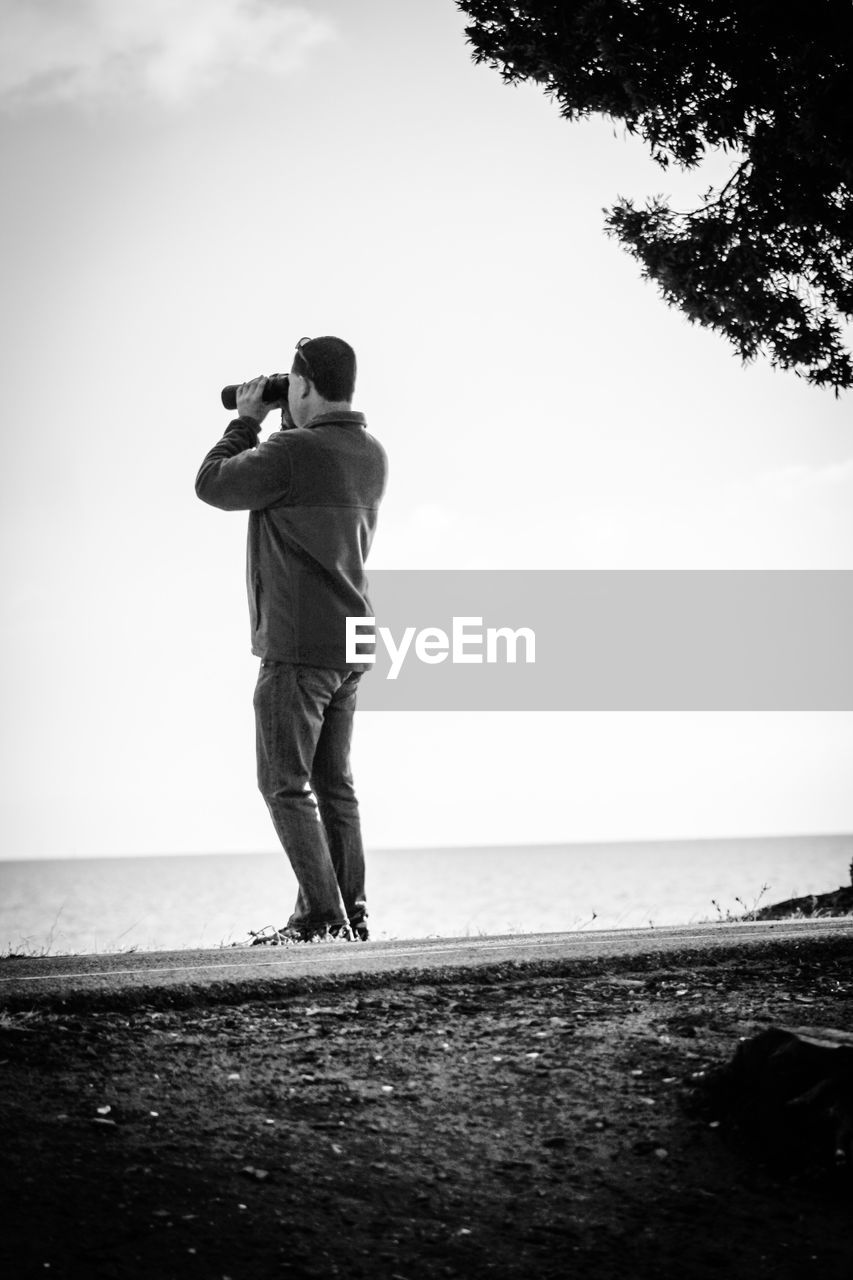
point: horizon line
(606, 841)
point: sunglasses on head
(300, 348)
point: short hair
(329, 363)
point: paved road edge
(183, 979)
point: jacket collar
(340, 418)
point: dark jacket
(313, 493)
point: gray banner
(610, 640)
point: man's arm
(238, 474)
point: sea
(169, 902)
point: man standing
(313, 491)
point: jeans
(303, 724)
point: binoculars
(275, 390)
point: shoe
(361, 933)
(289, 934)
(337, 933)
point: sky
(193, 185)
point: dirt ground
(539, 1121)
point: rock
(793, 1091)
(839, 902)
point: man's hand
(249, 402)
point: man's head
(322, 378)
